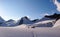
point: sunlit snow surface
(57, 24)
(24, 31)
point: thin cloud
(57, 4)
(46, 14)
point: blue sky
(15, 9)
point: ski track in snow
(29, 32)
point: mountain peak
(1, 19)
(10, 20)
(25, 17)
(54, 16)
(24, 20)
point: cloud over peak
(57, 4)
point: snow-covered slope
(9, 23)
(44, 22)
(15, 32)
(57, 24)
(1, 20)
(43, 28)
(22, 26)
(29, 32)
(48, 23)
(45, 18)
(46, 32)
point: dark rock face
(45, 25)
(26, 17)
(54, 16)
(36, 20)
(21, 21)
(25, 20)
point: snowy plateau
(48, 26)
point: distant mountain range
(46, 21)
